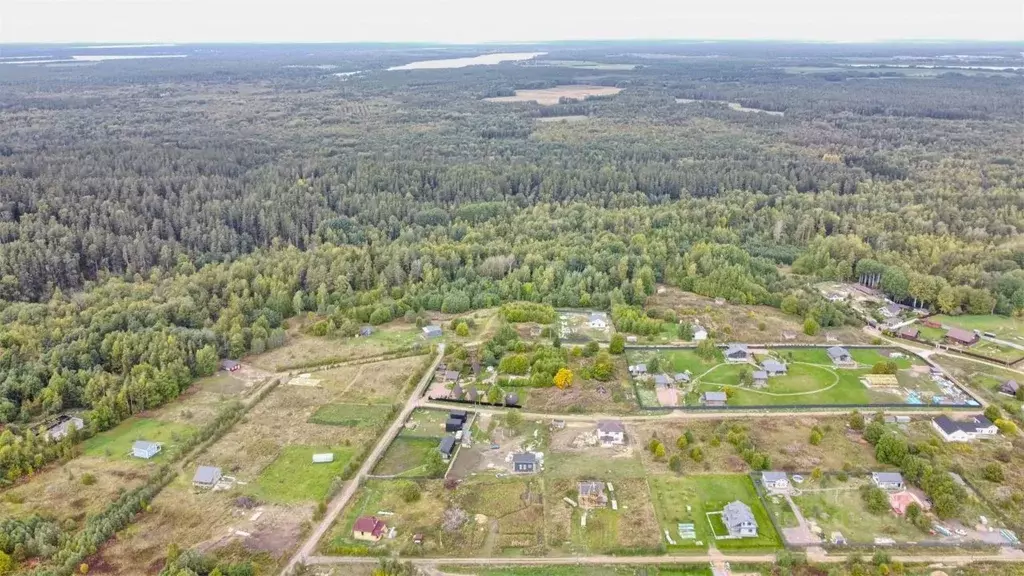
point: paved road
(1006, 555)
(343, 497)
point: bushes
(528, 312)
(885, 367)
(875, 499)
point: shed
(431, 331)
(206, 477)
(458, 415)
(323, 458)
(714, 398)
(446, 447)
(1010, 388)
(230, 365)
(453, 425)
(737, 353)
(145, 449)
(524, 463)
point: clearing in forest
(552, 96)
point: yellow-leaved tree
(563, 379)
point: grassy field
(983, 379)
(1004, 327)
(293, 477)
(595, 463)
(426, 422)
(355, 415)
(406, 456)
(632, 527)
(997, 351)
(841, 509)
(304, 350)
(117, 442)
(709, 493)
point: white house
(611, 433)
(699, 333)
(598, 320)
(144, 449)
(892, 481)
(967, 430)
(774, 480)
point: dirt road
(339, 502)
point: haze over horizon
(464, 22)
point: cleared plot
(632, 527)
(354, 415)
(872, 356)
(1004, 327)
(841, 509)
(984, 379)
(997, 351)
(605, 463)
(293, 477)
(303, 350)
(709, 493)
(551, 96)
(201, 403)
(117, 442)
(406, 456)
(60, 492)
(376, 383)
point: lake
(481, 60)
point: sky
(474, 21)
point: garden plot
(584, 325)
(628, 524)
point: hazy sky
(514, 20)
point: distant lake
(481, 60)
(94, 58)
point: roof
(662, 379)
(472, 394)
(961, 335)
(715, 396)
(837, 352)
(760, 375)
(610, 427)
(369, 524)
(773, 476)
(453, 422)
(512, 398)
(322, 458)
(524, 458)
(457, 390)
(591, 488)
(736, 513)
(887, 477)
(432, 330)
(206, 475)
(909, 331)
(772, 365)
(971, 424)
(734, 349)
(893, 308)
(460, 414)
(447, 444)
(639, 368)
(594, 316)
(145, 445)
(451, 375)
(682, 376)
(228, 364)
(1010, 386)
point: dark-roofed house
(457, 392)
(611, 433)
(910, 332)
(144, 449)
(206, 477)
(739, 520)
(840, 356)
(682, 377)
(1010, 388)
(890, 310)
(591, 495)
(961, 336)
(888, 480)
(458, 415)
(662, 380)
(774, 480)
(971, 428)
(453, 425)
(369, 528)
(472, 394)
(446, 447)
(431, 331)
(230, 365)
(737, 353)
(774, 367)
(524, 463)
(450, 376)
(714, 399)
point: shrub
(618, 344)
(88, 479)
(811, 326)
(993, 472)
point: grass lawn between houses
(708, 493)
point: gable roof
(838, 353)
(970, 425)
(760, 375)
(737, 513)
(228, 364)
(887, 477)
(682, 376)
(893, 308)
(773, 476)
(206, 475)
(1010, 387)
(591, 488)
(961, 335)
(736, 349)
(432, 330)
(772, 365)
(370, 524)
(662, 380)
(145, 445)
(524, 458)
(715, 396)
(447, 445)
(610, 427)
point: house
(453, 425)
(369, 528)
(446, 447)
(909, 332)
(890, 310)
(145, 449)
(230, 365)
(431, 331)
(835, 297)
(62, 426)
(459, 415)
(662, 380)
(714, 399)
(366, 331)
(774, 480)
(961, 337)
(638, 370)
(324, 458)
(472, 394)
(737, 353)
(774, 367)
(206, 477)
(891, 481)
(450, 376)
(682, 377)
(699, 333)
(591, 495)
(972, 428)
(739, 520)
(598, 320)
(525, 463)
(760, 378)
(1010, 388)
(457, 392)
(840, 356)
(611, 433)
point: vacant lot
(302, 350)
(117, 442)
(688, 500)
(981, 378)
(1004, 327)
(551, 96)
(353, 415)
(632, 527)
(406, 456)
(840, 508)
(293, 477)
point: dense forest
(158, 214)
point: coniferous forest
(159, 214)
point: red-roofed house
(961, 336)
(369, 528)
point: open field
(374, 383)
(427, 422)
(355, 415)
(293, 477)
(304, 350)
(740, 323)
(983, 379)
(1004, 327)
(551, 96)
(672, 496)
(997, 351)
(117, 442)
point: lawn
(929, 334)
(426, 422)
(872, 356)
(406, 456)
(594, 463)
(997, 351)
(1004, 327)
(675, 361)
(117, 442)
(353, 415)
(292, 476)
(687, 499)
(842, 509)
(799, 388)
